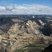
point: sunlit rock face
(22, 33)
(32, 27)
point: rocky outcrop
(32, 27)
(20, 35)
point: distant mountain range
(6, 21)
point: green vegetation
(1, 33)
(32, 48)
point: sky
(19, 2)
(25, 6)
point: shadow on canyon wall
(5, 24)
(48, 49)
(47, 29)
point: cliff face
(32, 27)
(20, 34)
(29, 27)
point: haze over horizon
(26, 7)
